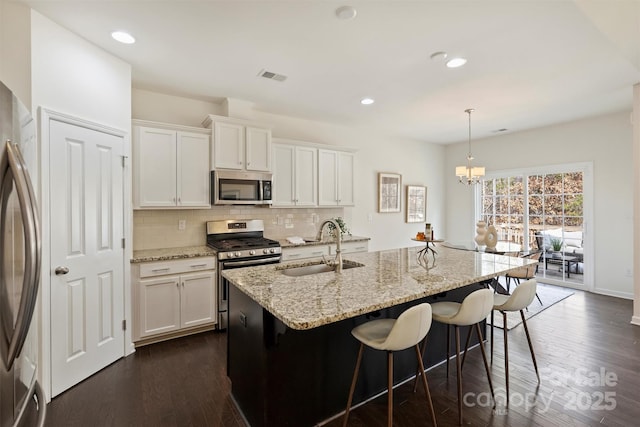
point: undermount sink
(306, 270)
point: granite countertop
(149, 255)
(387, 278)
(327, 241)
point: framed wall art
(416, 203)
(389, 193)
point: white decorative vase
(481, 231)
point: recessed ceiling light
(346, 12)
(456, 62)
(367, 101)
(123, 37)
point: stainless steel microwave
(240, 188)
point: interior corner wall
(160, 107)
(15, 43)
(606, 141)
(636, 205)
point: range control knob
(271, 250)
(237, 254)
(265, 251)
(252, 252)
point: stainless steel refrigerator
(21, 399)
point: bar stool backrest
(474, 308)
(409, 329)
(521, 297)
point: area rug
(549, 295)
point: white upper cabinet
(171, 168)
(258, 149)
(240, 146)
(294, 175)
(228, 146)
(335, 178)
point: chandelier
(467, 174)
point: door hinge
(123, 240)
(124, 325)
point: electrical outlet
(182, 224)
(370, 218)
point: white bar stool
(474, 309)
(394, 335)
(520, 299)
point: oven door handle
(249, 262)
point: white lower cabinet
(174, 296)
(350, 247)
(298, 252)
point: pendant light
(467, 174)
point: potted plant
(556, 244)
(343, 227)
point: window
(541, 210)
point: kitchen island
(290, 351)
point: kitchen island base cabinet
(286, 377)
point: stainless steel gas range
(239, 243)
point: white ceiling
(530, 63)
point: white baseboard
(611, 293)
(635, 320)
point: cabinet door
(228, 145)
(345, 179)
(327, 178)
(283, 175)
(193, 170)
(258, 149)
(159, 305)
(197, 298)
(306, 176)
(155, 167)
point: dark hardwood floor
(587, 352)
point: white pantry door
(87, 281)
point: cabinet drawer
(350, 248)
(161, 268)
(291, 254)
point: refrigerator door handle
(37, 394)
(32, 247)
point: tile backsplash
(157, 229)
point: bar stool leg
(426, 385)
(466, 345)
(459, 373)
(353, 385)
(492, 326)
(448, 345)
(390, 387)
(506, 353)
(486, 364)
(422, 352)
(533, 356)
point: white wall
(418, 162)
(15, 40)
(607, 142)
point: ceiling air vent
(272, 76)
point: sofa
(572, 243)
